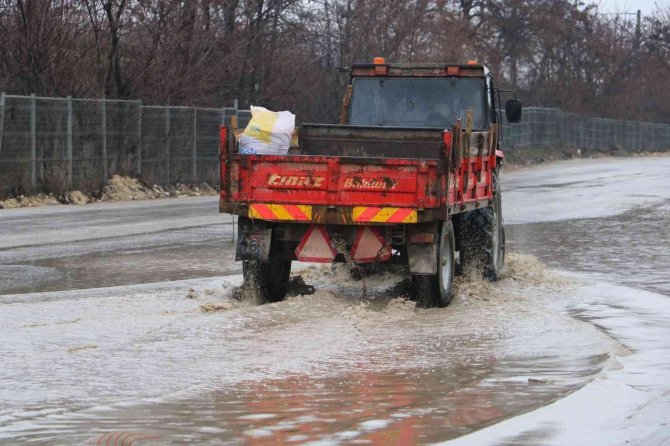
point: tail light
(448, 139)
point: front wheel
(268, 281)
(434, 290)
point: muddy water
(115, 268)
(114, 260)
(630, 248)
(331, 366)
(110, 354)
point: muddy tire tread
(268, 279)
(477, 241)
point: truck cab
(394, 96)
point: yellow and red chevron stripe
(384, 215)
(298, 212)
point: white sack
(268, 133)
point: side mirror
(513, 110)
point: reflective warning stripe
(384, 215)
(281, 212)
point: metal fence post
(560, 126)
(195, 145)
(69, 140)
(33, 140)
(638, 131)
(140, 138)
(652, 142)
(167, 141)
(103, 113)
(2, 117)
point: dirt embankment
(117, 188)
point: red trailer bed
(358, 190)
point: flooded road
(117, 321)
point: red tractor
(411, 174)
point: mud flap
(422, 242)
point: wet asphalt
(117, 319)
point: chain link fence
(551, 127)
(65, 143)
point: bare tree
(290, 53)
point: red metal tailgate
(333, 181)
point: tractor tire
(483, 237)
(267, 281)
(434, 290)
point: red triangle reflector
(315, 246)
(369, 246)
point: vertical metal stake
(103, 112)
(69, 140)
(140, 139)
(195, 145)
(167, 141)
(33, 140)
(652, 142)
(2, 117)
(637, 137)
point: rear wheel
(483, 245)
(434, 290)
(268, 281)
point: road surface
(117, 321)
